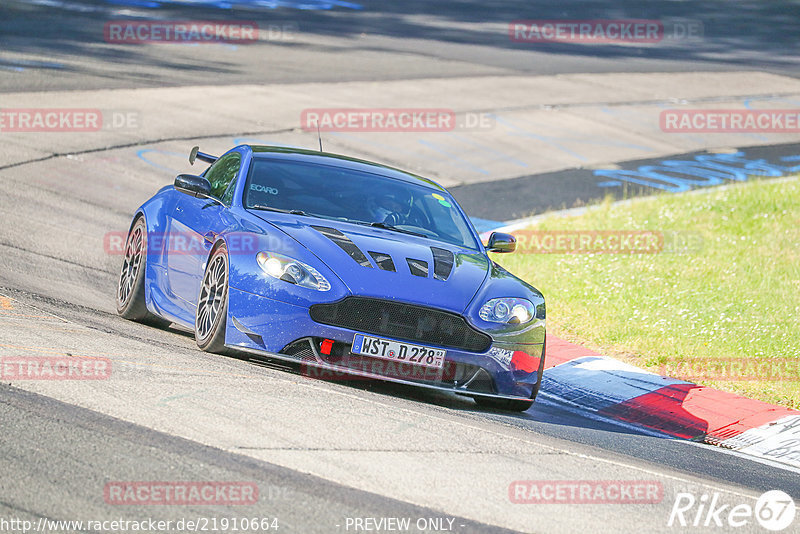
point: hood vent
(442, 263)
(383, 261)
(418, 267)
(344, 243)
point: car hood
(358, 255)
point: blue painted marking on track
(456, 160)
(610, 183)
(20, 65)
(545, 139)
(677, 176)
(303, 5)
(574, 140)
(141, 155)
(630, 114)
(485, 225)
(748, 102)
(134, 3)
(615, 144)
(369, 142)
(485, 148)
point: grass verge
(718, 305)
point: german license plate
(389, 349)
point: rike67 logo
(774, 510)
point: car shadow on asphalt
(545, 415)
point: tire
(211, 315)
(509, 405)
(130, 289)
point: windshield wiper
(385, 226)
(279, 210)
(380, 225)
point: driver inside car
(395, 209)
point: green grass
(737, 296)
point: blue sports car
(347, 267)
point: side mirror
(499, 242)
(196, 186)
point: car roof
(338, 160)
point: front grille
(300, 349)
(407, 322)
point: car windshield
(359, 197)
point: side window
(222, 173)
(227, 198)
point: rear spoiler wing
(196, 154)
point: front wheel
(211, 317)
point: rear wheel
(130, 289)
(211, 317)
(510, 405)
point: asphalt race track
(381, 40)
(326, 456)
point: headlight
(292, 271)
(508, 310)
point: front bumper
(509, 369)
